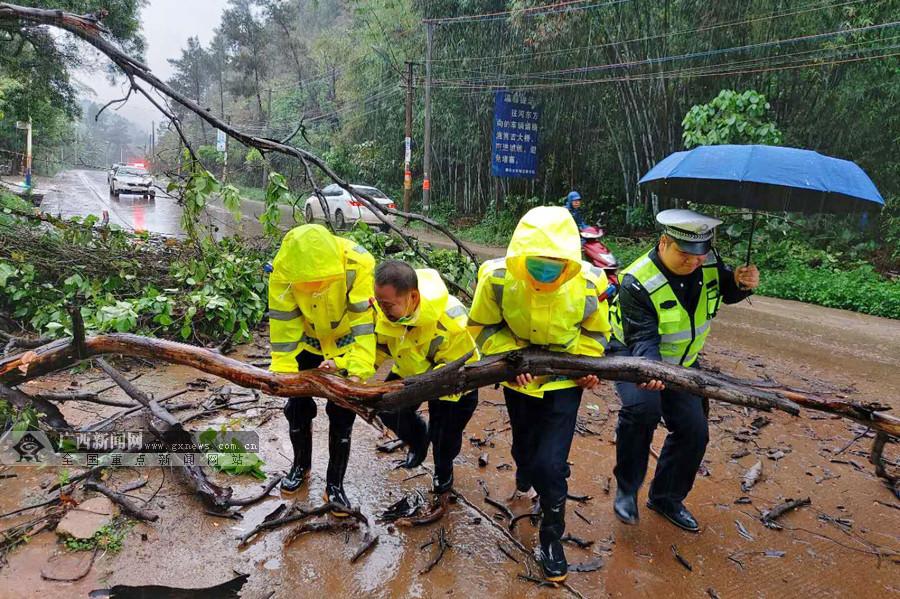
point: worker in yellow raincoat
(543, 295)
(321, 316)
(420, 326)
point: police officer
(420, 326)
(543, 295)
(320, 316)
(663, 312)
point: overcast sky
(166, 25)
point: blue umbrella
(770, 178)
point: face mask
(404, 319)
(544, 270)
(407, 319)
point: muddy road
(845, 544)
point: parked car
(131, 179)
(345, 209)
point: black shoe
(292, 482)
(552, 556)
(335, 494)
(679, 516)
(523, 485)
(625, 507)
(415, 456)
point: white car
(345, 209)
(131, 179)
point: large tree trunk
(453, 378)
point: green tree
(731, 118)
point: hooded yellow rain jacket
(512, 311)
(436, 335)
(320, 300)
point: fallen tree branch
(876, 457)
(88, 397)
(369, 543)
(456, 377)
(171, 433)
(50, 413)
(259, 497)
(443, 544)
(122, 500)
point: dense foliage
(128, 282)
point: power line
(676, 73)
(673, 58)
(525, 56)
(535, 11)
(749, 61)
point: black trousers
(300, 411)
(446, 422)
(685, 416)
(542, 431)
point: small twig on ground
(681, 559)
(302, 515)
(769, 517)
(576, 541)
(244, 501)
(443, 545)
(369, 542)
(308, 527)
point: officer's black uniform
(684, 413)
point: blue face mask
(544, 270)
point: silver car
(131, 179)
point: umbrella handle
(750, 242)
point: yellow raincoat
(436, 335)
(336, 320)
(511, 311)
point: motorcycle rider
(573, 205)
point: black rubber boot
(338, 458)
(552, 557)
(416, 454)
(301, 441)
(439, 486)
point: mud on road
(844, 544)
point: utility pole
(225, 157)
(265, 177)
(152, 141)
(426, 163)
(407, 146)
(28, 154)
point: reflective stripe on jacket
(336, 321)
(682, 334)
(436, 336)
(510, 311)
